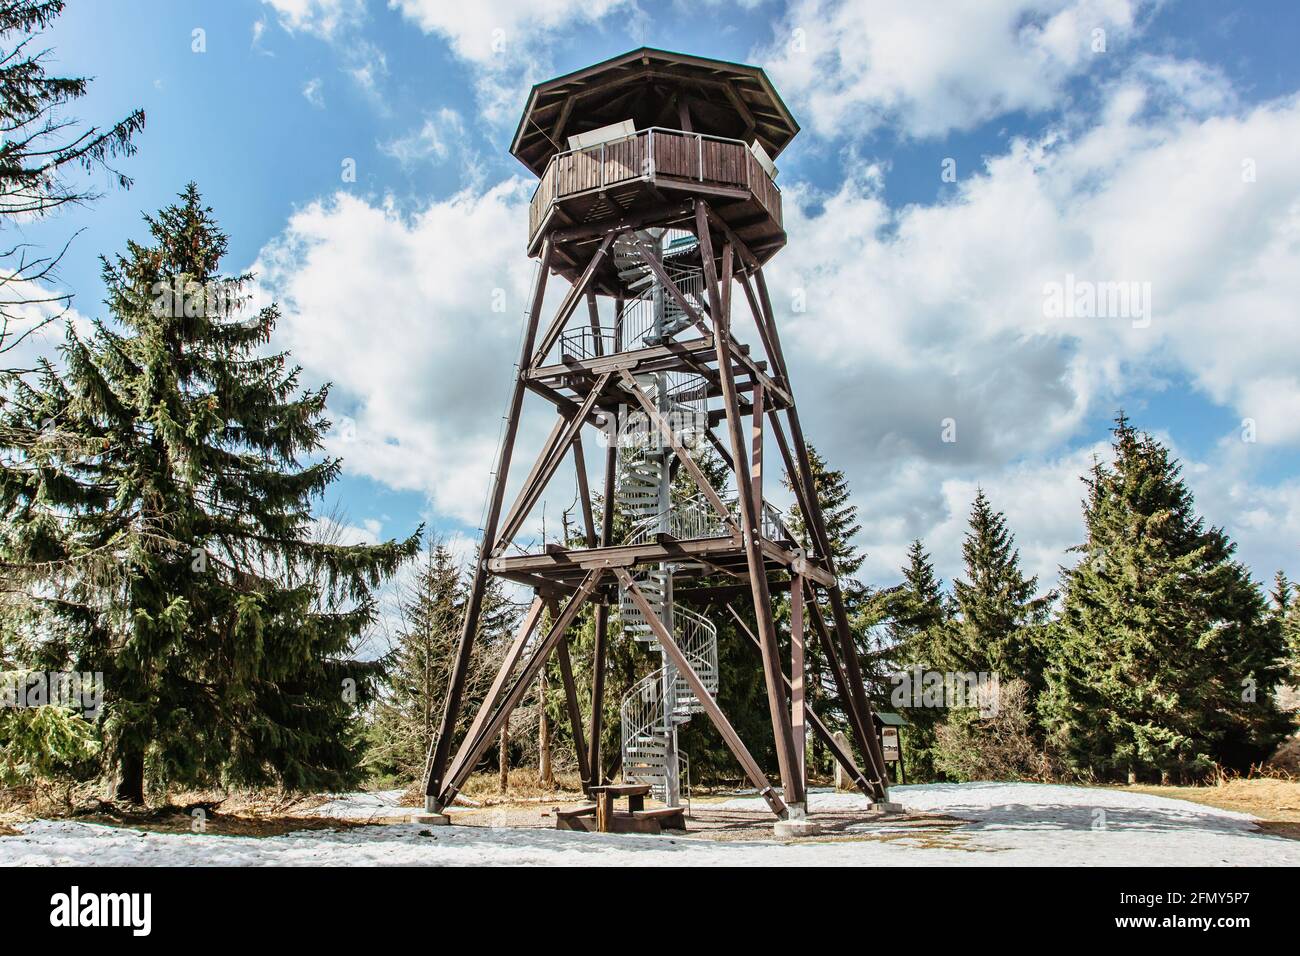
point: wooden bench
(573, 818)
(668, 818)
(602, 816)
(605, 795)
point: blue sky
(1120, 164)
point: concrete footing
(431, 819)
(887, 806)
(792, 829)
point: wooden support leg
(860, 722)
(599, 652)
(604, 812)
(575, 712)
(683, 666)
(853, 670)
(857, 697)
(440, 747)
(749, 513)
(508, 664)
(842, 757)
(466, 760)
(797, 725)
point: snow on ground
(1008, 824)
(380, 805)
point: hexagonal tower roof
(651, 88)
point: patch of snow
(1007, 824)
(380, 805)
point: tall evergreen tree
(1286, 611)
(918, 613)
(419, 664)
(224, 627)
(999, 620)
(838, 512)
(1165, 658)
(921, 634)
(42, 151)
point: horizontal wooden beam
(634, 361)
(662, 213)
(683, 667)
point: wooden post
(593, 315)
(749, 511)
(857, 698)
(545, 775)
(493, 696)
(574, 711)
(473, 752)
(756, 456)
(683, 666)
(842, 753)
(797, 726)
(601, 626)
(441, 747)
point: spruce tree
(838, 512)
(431, 610)
(1286, 611)
(43, 154)
(225, 628)
(921, 634)
(1165, 659)
(918, 613)
(999, 620)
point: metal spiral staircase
(662, 700)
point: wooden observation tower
(657, 202)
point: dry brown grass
(524, 786)
(241, 812)
(1274, 800)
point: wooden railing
(655, 154)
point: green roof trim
(892, 720)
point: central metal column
(668, 690)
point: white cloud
(398, 313)
(322, 18)
(259, 31)
(432, 142)
(506, 41)
(931, 66)
(922, 313)
(492, 30)
(368, 66)
(311, 91)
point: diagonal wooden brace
(819, 727)
(570, 303)
(650, 259)
(683, 667)
(665, 429)
(552, 456)
(466, 760)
